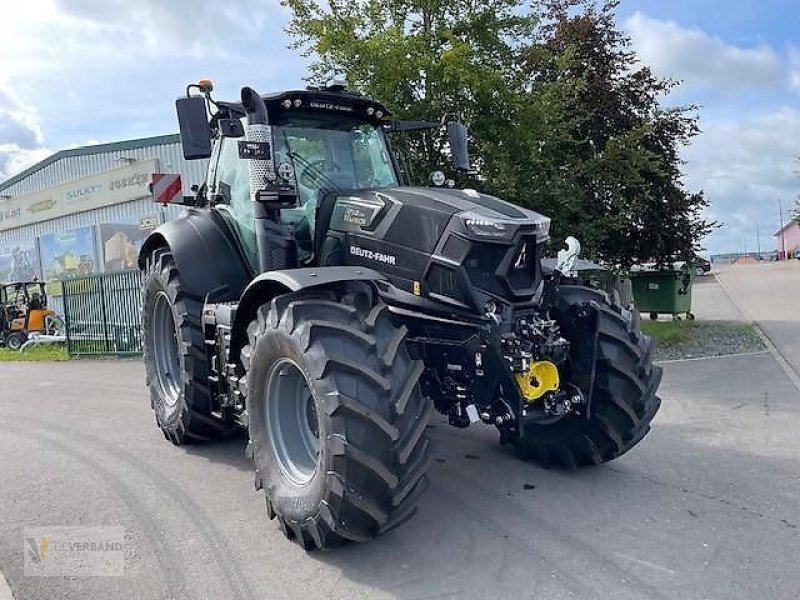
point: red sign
(166, 187)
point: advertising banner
(67, 254)
(110, 187)
(121, 242)
(19, 262)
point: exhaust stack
(258, 139)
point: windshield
(328, 153)
(348, 152)
(331, 153)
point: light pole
(782, 252)
(758, 238)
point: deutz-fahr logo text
(387, 259)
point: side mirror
(195, 130)
(458, 136)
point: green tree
(425, 59)
(563, 118)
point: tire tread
(624, 402)
(392, 452)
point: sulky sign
(109, 187)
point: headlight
(486, 226)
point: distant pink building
(788, 237)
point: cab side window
(232, 190)
(232, 185)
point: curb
(793, 376)
(670, 361)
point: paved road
(770, 294)
(708, 506)
(711, 303)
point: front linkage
(513, 369)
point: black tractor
(309, 296)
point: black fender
(206, 252)
(267, 286)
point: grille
(482, 264)
(522, 272)
(445, 282)
(504, 270)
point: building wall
(116, 213)
(69, 165)
(86, 210)
(791, 238)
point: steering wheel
(315, 172)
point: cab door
(230, 192)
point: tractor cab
(318, 151)
(23, 310)
(319, 144)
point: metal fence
(101, 313)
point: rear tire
(363, 470)
(624, 401)
(175, 355)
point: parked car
(702, 266)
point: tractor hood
(442, 243)
(432, 208)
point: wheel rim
(292, 422)
(14, 343)
(166, 354)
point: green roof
(159, 140)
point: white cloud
(182, 27)
(21, 138)
(111, 69)
(707, 62)
(14, 159)
(745, 159)
(17, 123)
(745, 167)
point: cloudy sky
(74, 72)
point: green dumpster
(663, 292)
(611, 283)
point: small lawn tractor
(23, 310)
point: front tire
(624, 401)
(175, 355)
(336, 418)
(16, 340)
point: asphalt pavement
(705, 507)
(769, 293)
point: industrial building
(86, 210)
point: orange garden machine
(23, 310)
